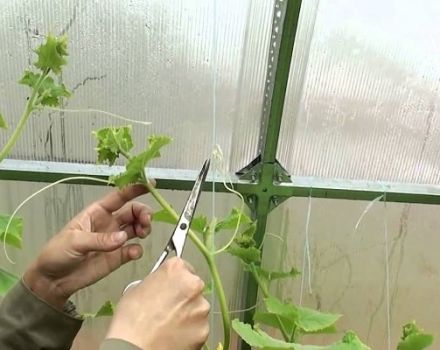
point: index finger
(116, 199)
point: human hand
(90, 246)
(166, 311)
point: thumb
(85, 242)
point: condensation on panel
(147, 60)
(345, 272)
(363, 99)
(47, 213)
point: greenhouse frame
(309, 80)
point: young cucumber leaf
(136, 165)
(7, 281)
(247, 255)
(112, 142)
(49, 93)
(234, 218)
(307, 320)
(15, 231)
(274, 275)
(246, 238)
(3, 124)
(51, 55)
(105, 310)
(414, 338)
(198, 223)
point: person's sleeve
(27, 322)
(117, 344)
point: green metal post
(265, 186)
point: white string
(306, 255)
(214, 130)
(92, 110)
(219, 163)
(387, 274)
(35, 194)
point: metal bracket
(252, 173)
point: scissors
(178, 238)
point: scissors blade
(181, 232)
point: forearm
(26, 320)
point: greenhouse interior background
(356, 147)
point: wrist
(44, 288)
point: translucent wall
(363, 98)
(347, 272)
(173, 63)
(45, 215)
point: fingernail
(120, 236)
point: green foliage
(15, 231)
(7, 281)
(414, 338)
(248, 255)
(51, 55)
(112, 142)
(198, 224)
(269, 276)
(305, 319)
(3, 124)
(255, 337)
(232, 220)
(48, 92)
(107, 309)
(135, 168)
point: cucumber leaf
(414, 338)
(246, 238)
(198, 224)
(51, 54)
(7, 281)
(261, 340)
(232, 220)
(112, 142)
(247, 255)
(15, 231)
(308, 320)
(136, 165)
(274, 275)
(272, 320)
(49, 92)
(257, 338)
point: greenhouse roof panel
(363, 99)
(152, 61)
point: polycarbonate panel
(47, 213)
(147, 60)
(363, 98)
(347, 265)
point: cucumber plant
(290, 321)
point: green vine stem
(210, 259)
(24, 118)
(265, 291)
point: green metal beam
(183, 180)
